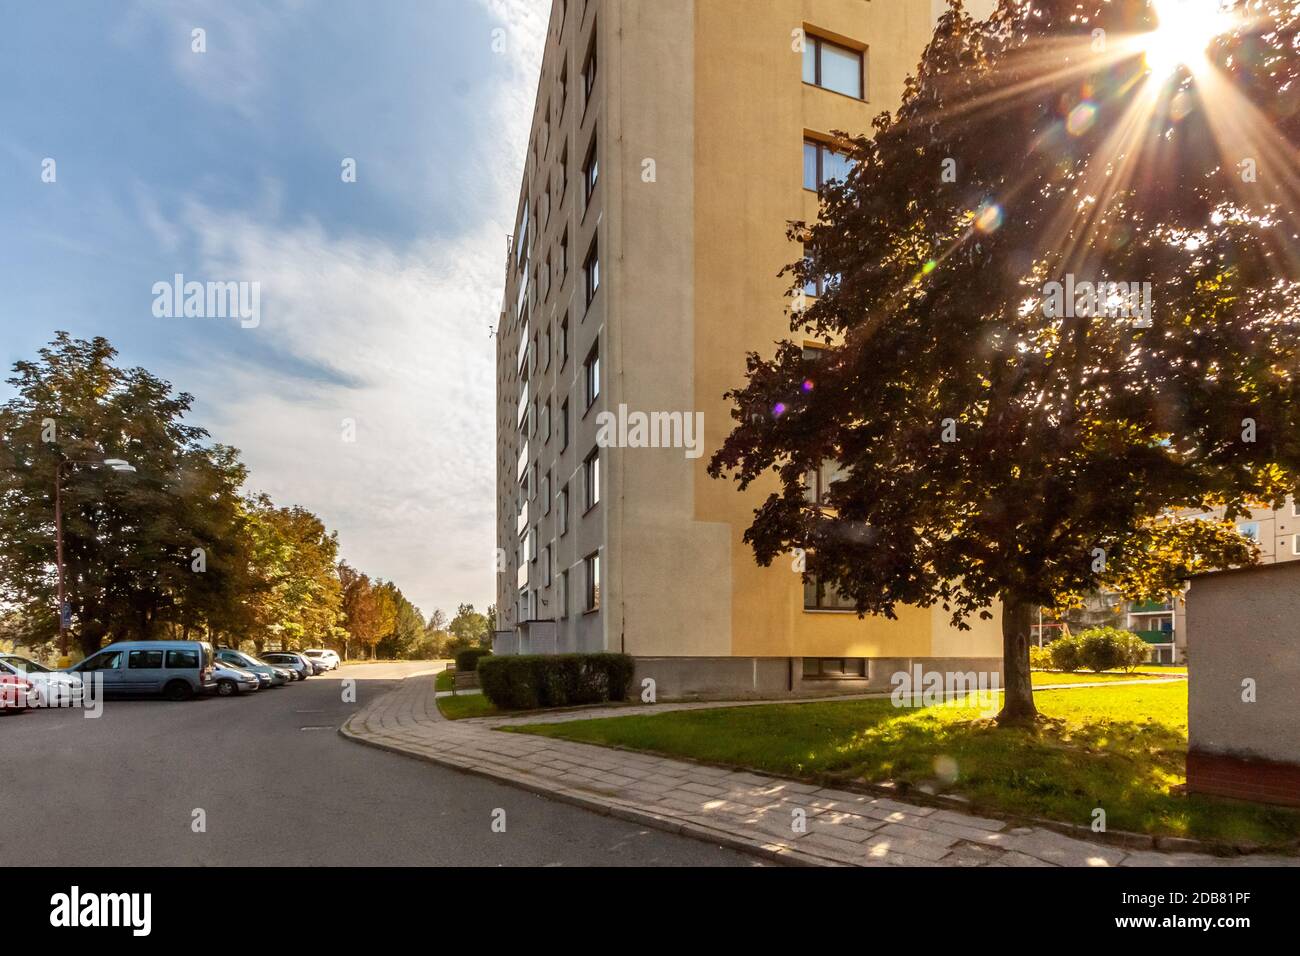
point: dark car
(301, 667)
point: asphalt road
(279, 786)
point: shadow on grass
(1122, 751)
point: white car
(323, 656)
(52, 687)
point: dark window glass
(187, 660)
(144, 660)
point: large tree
(147, 553)
(992, 443)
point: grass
(1120, 748)
(466, 705)
(1043, 678)
(444, 680)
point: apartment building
(671, 144)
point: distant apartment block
(672, 142)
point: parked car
(301, 667)
(274, 676)
(325, 656)
(232, 681)
(51, 687)
(178, 670)
(15, 693)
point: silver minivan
(177, 670)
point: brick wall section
(1263, 781)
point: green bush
(1040, 658)
(467, 660)
(1133, 651)
(1109, 648)
(526, 682)
(1064, 654)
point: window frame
(813, 43)
(591, 377)
(591, 481)
(591, 582)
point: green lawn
(444, 679)
(1120, 748)
(466, 705)
(1043, 678)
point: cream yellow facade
(697, 116)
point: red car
(16, 693)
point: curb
(608, 808)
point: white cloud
(407, 335)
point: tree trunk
(1018, 699)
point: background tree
(129, 539)
(468, 629)
(989, 452)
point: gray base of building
(762, 678)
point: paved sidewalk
(748, 811)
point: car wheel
(178, 690)
(226, 688)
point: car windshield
(24, 665)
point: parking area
(265, 779)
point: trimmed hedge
(467, 660)
(527, 682)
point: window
(521, 239)
(819, 285)
(564, 340)
(591, 376)
(1295, 544)
(562, 519)
(590, 173)
(563, 597)
(532, 545)
(546, 493)
(824, 597)
(546, 280)
(591, 565)
(564, 255)
(589, 74)
(821, 164)
(819, 482)
(834, 667)
(545, 423)
(1249, 529)
(564, 425)
(591, 480)
(591, 270)
(564, 88)
(564, 172)
(187, 660)
(834, 67)
(546, 566)
(546, 355)
(144, 660)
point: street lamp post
(65, 613)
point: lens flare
(1081, 118)
(989, 218)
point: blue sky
(377, 296)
